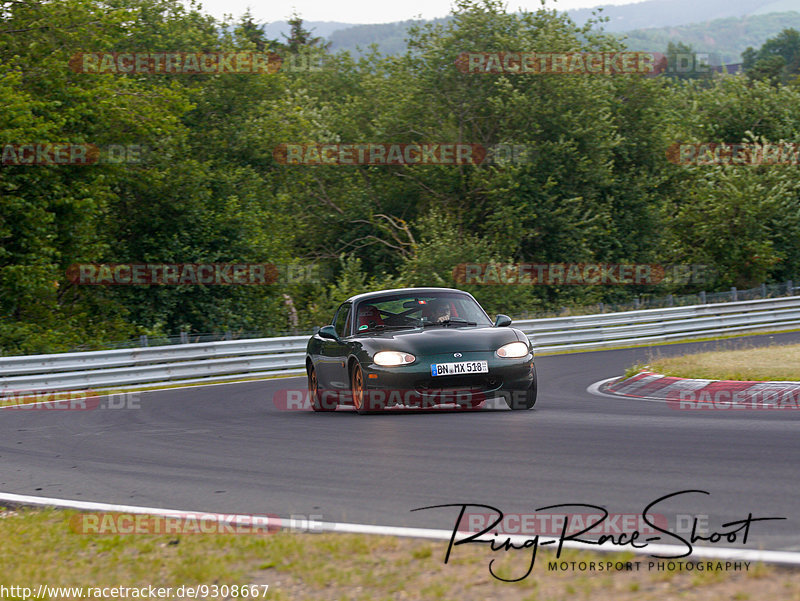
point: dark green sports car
(418, 347)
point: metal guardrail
(65, 362)
(260, 357)
(659, 325)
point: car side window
(341, 322)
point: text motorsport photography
(552, 527)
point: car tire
(524, 399)
(358, 389)
(317, 402)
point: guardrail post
(734, 295)
(184, 338)
(763, 290)
(702, 297)
(790, 287)
(228, 335)
(670, 300)
(636, 302)
(143, 340)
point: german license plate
(462, 367)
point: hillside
(671, 13)
(726, 38)
(277, 29)
(390, 37)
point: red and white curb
(688, 394)
(659, 550)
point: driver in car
(438, 311)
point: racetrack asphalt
(228, 448)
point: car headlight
(513, 350)
(393, 358)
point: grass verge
(777, 362)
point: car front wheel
(359, 389)
(318, 403)
(526, 398)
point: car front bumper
(413, 383)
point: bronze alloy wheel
(357, 381)
(317, 402)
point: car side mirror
(328, 332)
(502, 321)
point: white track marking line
(667, 552)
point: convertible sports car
(418, 347)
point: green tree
(778, 59)
(299, 37)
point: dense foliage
(597, 188)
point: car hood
(436, 339)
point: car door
(331, 369)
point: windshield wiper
(392, 327)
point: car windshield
(413, 310)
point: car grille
(468, 383)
